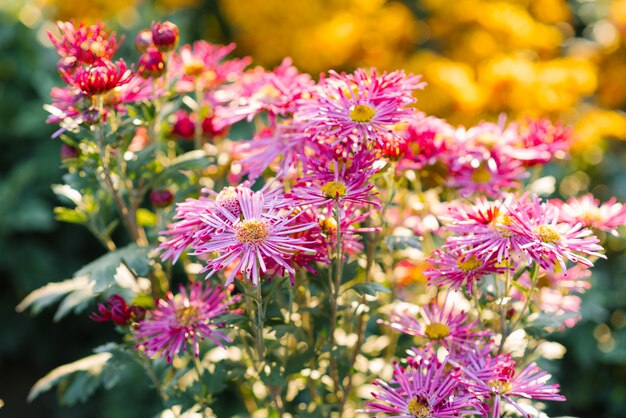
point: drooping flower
(439, 323)
(363, 103)
(495, 377)
(184, 319)
(425, 388)
(100, 77)
(117, 311)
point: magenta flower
(455, 267)
(82, 44)
(117, 311)
(247, 241)
(426, 388)
(439, 323)
(100, 77)
(184, 319)
(363, 103)
(496, 377)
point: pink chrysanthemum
(496, 377)
(203, 63)
(363, 102)
(247, 241)
(588, 211)
(539, 141)
(484, 230)
(455, 267)
(191, 230)
(186, 318)
(83, 44)
(439, 323)
(553, 241)
(426, 388)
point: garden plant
(278, 244)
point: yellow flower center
(481, 175)
(194, 67)
(500, 222)
(362, 113)
(470, 264)
(418, 409)
(187, 315)
(328, 224)
(488, 139)
(334, 189)
(437, 330)
(253, 231)
(500, 386)
(548, 234)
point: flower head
(364, 103)
(83, 44)
(100, 77)
(184, 319)
(117, 311)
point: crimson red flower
(117, 311)
(100, 77)
(151, 63)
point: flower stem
(334, 300)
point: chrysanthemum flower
(496, 377)
(363, 102)
(539, 141)
(204, 63)
(100, 77)
(553, 241)
(184, 319)
(589, 212)
(192, 230)
(83, 44)
(439, 323)
(426, 388)
(249, 239)
(485, 230)
(456, 267)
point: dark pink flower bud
(152, 63)
(165, 36)
(143, 40)
(183, 127)
(69, 152)
(117, 311)
(161, 198)
(209, 129)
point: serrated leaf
(45, 296)
(90, 365)
(369, 288)
(540, 325)
(102, 270)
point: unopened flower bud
(152, 63)
(91, 116)
(161, 198)
(165, 36)
(69, 152)
(183, 127)
(143, 40)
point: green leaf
(369, 288)
(102, 270)
(395, 242)
(72, 216)
(542, 324)
(146, 217)
(86, 381)
(192, 160)
(78, 292)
